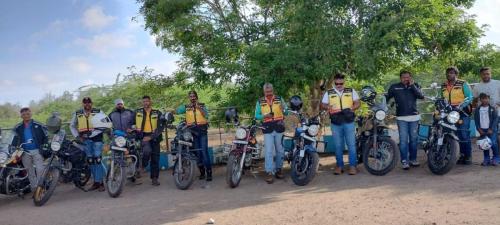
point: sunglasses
(338, 84)
(87, 102)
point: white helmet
(484, 143)
(100, 122)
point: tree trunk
(316, 94)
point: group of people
(340, 101)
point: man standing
(81, 127)
(459, 94)
(271, 109)
(341, 103)
(122, 118)
(147, 123)
(405, 94)
(488, 86)
(197, 118)
(34, 135)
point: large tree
(299, 44)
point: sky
(49, 46)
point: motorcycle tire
(183, 179)
(452, 148)
(115, 181)
(44, 191)
(391, 153)
(304, 170)
(233, 170)
(84, 177)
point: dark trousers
(463, 134)
(151, 156)
(201, 143)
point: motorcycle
(122, 163)
(13, 176)
(185, 158)
(303, 156)
(375, 148)
(244, 153)
(442, 144)
(67, 162)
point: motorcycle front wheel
(184, 176)
(115, 179)
(383, 158)
(47, 186)
(83, 175)
(233, 170)
(304, 168)
(443, 160)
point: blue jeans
(463, 134)
(93, 150)
(201, 143)
(408, 136)
(272, 144)
(343, 134)
(494, 146)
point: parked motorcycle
(244, 153)
(185, 158)
(375, 148)
(442, 144)
(13, 176)
(122, 163)
(303, 156)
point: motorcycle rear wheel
(45, 190)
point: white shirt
(491, 88)
(326, 100)
(484, 117)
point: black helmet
(368, 93)
(54, 123)
(231, 114)
(295, 103)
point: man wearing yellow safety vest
(149, 130)
(341, 103)
(81, 127)
(271, 109)
(197, 118)
(459, 94)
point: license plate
(186, 143)
(440, 141)
(240, 142)
(302, 152)
(118, 148)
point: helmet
(484, 143)
(295, 103)
(168, 117)
(368, 93)
(232, 114)
(100, 122)
(54, 123)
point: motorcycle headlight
(313, 130)
(453, 117)
(55, 146)
(380, 115)
(187, 136)
(3, 157)
(120, 141)
(241, 133)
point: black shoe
(279, 174)
(155, 182)
(468, 161)
(209, 175)
(94, 187)
(202, 173)
(461, 160)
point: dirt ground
(467, 195)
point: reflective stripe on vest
(456, 96)
(139, 119)
(339, 102)
(195, 116)
(84, 121)
(274, 106)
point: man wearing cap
(122, 118)
(34, 135)
(81, 127)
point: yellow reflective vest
(84, 121)
(273, 106)
(195, 116)
(454, 94)
(140, 116)
(339, 102)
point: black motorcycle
(442, 144)
(186, 159)
(375, 148)
(13, 176)
(68, 162)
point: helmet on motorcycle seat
(484, 143)
(168, 117)
(368, 93)
(101, 121)
(296, 103)
(54, 123)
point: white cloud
(79, 65)
(95, 19)
(103, 44)
(486, 12)
(7, 83)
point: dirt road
(467, 195)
